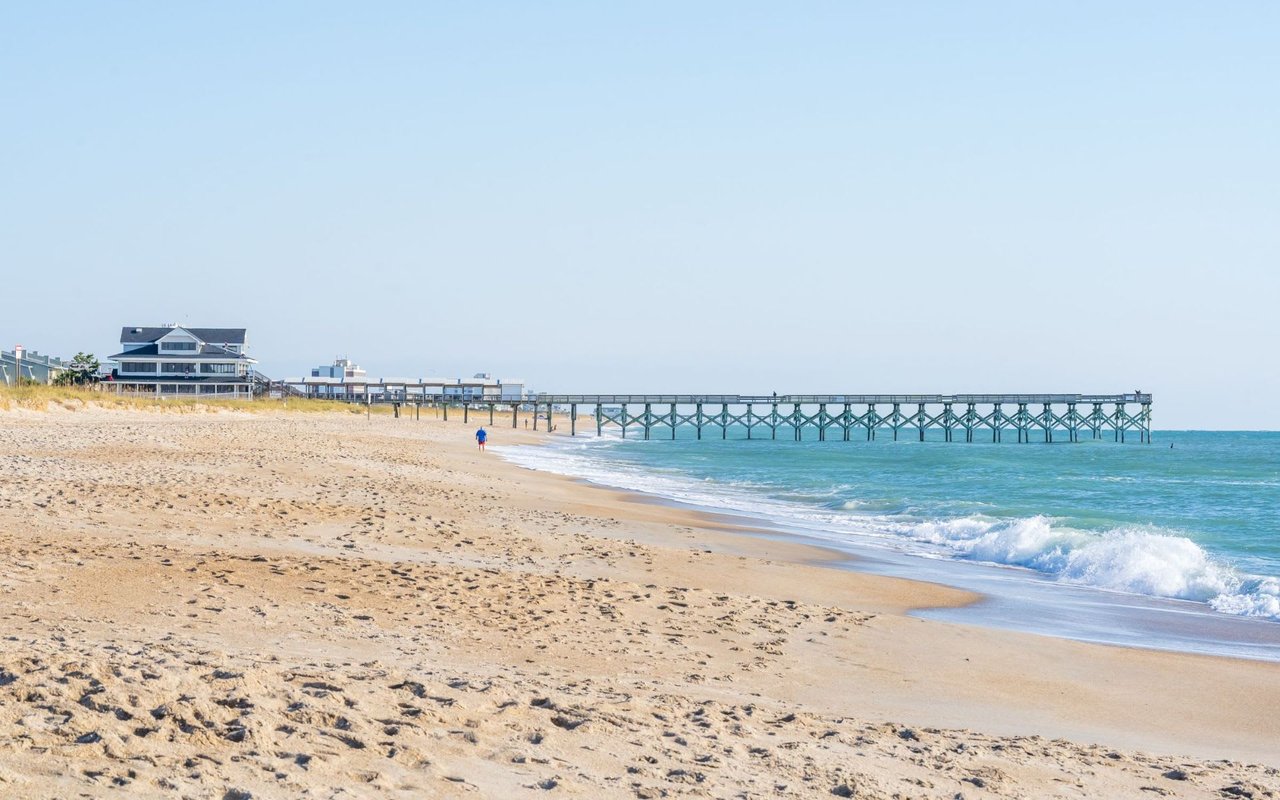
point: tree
(82, 370)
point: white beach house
(177, 360)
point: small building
(22, 364)
(340, 368)
(511, 389)
(341, 380)
(178, 360)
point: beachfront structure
(180, 360)
(345, 381)
(21, 364)
(340, 368)
(329, 381)
(957, 417)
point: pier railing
(860, 399)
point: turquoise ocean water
(1087, 538)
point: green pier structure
(845, 417)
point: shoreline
(1004, 596)
(280, 603)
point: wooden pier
(951, 417)
(959, 417)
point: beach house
(178, 360)
(19, 365)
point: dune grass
(39, 397)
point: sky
(722, 197)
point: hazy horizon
(729, 197)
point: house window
(178, 345)
(137, 366)
(179, 367)
(218, 369)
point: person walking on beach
(481, 436)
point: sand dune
(241, 605)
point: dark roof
(205, 351)
(134, 334)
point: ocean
(1173, 545)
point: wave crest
(1135, 560)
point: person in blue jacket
(481, 436)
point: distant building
(29, 365)
(511, 388)
(343, 380)
(331, 381)
(340, 368)
(177, 360)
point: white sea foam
(1138, 560)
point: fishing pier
(843, 417)
(958, 417)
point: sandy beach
(280, 604)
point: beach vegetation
(82, 370)
(73, 397)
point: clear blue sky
(687, 196)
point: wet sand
(323, 605)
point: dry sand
(240, 605)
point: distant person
(481, 437)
